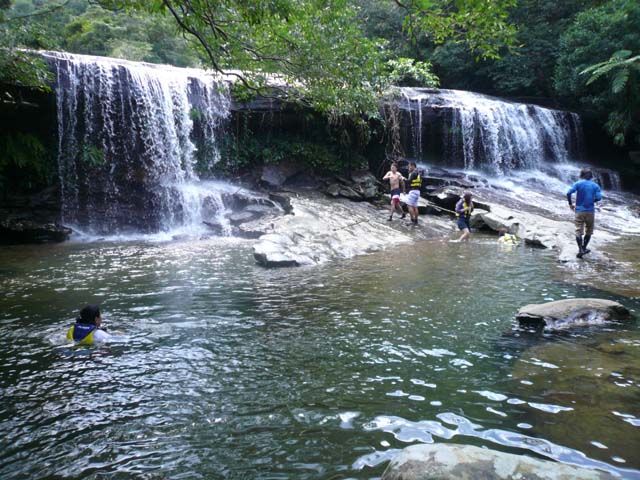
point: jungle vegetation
(342, 55)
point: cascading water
(127, 142)
(527, 156)
(478, 131)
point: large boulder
(336, 190)
(361, 185)
(466, 462)
(320, 229)
(574, 311)
(276, 176)
(366, 184)
(535, 229)
(27, 231)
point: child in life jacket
(86, 330)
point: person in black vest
(414, 181)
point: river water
(228, 370)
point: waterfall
(131, 136)
(478, 131)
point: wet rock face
(277, 176)
(320, 229)
(465, 462)
(28, 231)
(361, 186)
(577, 311)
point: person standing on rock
(395, 179)
(587, 193)
(464, 207)
(415, 185)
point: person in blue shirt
(587, 194)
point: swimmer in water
(86, 330)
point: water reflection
(228, 370)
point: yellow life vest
(467, 214)
(74, 335)
(508, 238)
(416, 183)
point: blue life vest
(82, 333)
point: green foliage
(255, 150)
(600, 42)
(23, 69)
(258, 140)
(23, 153)
(407, 72)
(18, 67)
(82, 26)
(320, 47)
(482, 25)
(624, 72)
(93, 156)
(526, 67)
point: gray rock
(283, 201)
(537, 230)
(574, 311)
(322, 229)
(236, 218)
(337, 190)
(366, 184)
(466, 462)
(275, 176)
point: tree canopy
(339, 56)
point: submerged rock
(466, 462)
(584, 394)
(575, 311)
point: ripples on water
(227, 370)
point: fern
(23, 153)
(620, 80)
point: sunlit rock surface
(570, 312)
(320, 229)
(466, 462)
(537, 230)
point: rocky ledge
(466, 462)
(319, 229)
(571, 312)
(13, 231)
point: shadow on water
(228, 370)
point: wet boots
(582, 245)
(585, 250)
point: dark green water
(228, 370)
